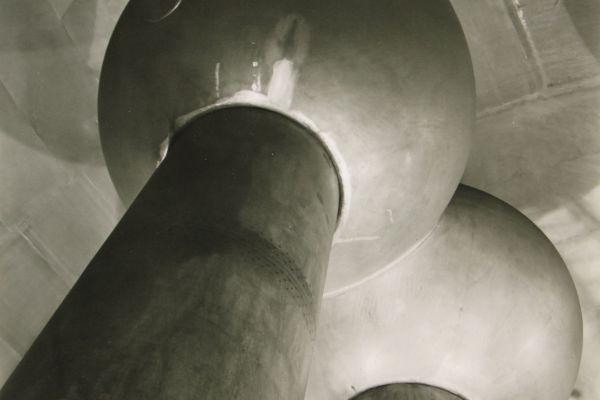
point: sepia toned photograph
(299, 199)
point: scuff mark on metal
(390, 214)
(218, 80)
(356, 239)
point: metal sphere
(484, 308)
(389, 86)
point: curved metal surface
(210, 285)
(485, 307)
(391, 83)
(406, 391)
(260, 107)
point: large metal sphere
(388, 83)
(485, 308)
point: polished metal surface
(485, 308)
(210, 285)
(390, 85)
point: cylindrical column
(209, 286)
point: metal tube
(209, 286)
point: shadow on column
(210, 284)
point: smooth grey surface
(210, 285)
(484, 308)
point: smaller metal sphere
(485, 307)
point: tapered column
(209, 286)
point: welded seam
(101, 199)
(18, 355)
(546, 94)
(384, 269)
(265, 253)
(517, 17)
(547, 90)
(50, 259)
